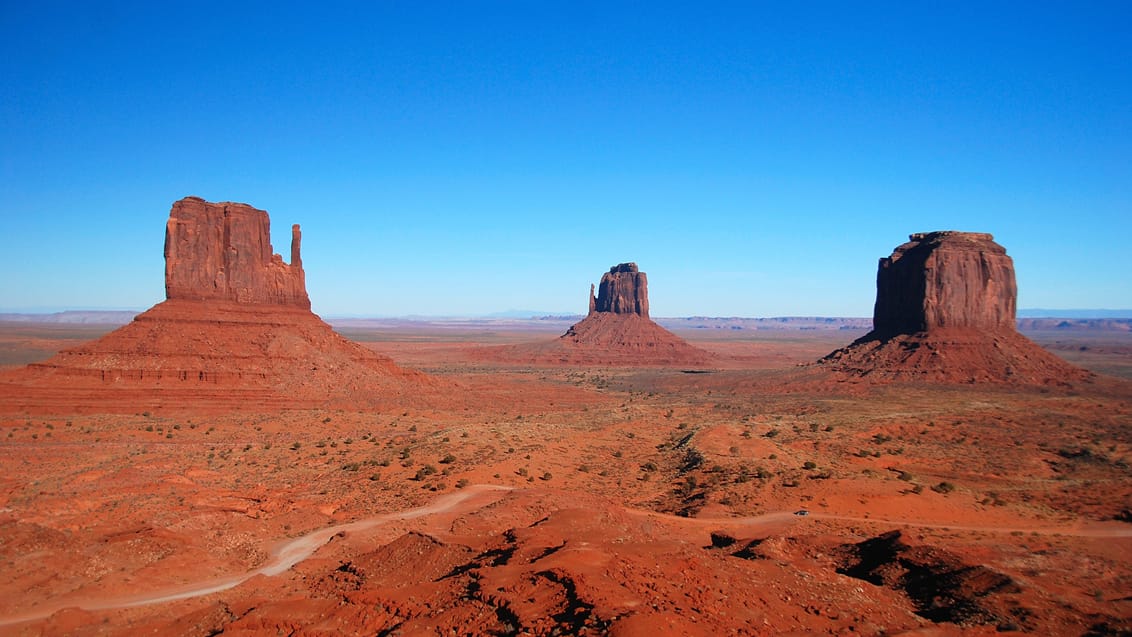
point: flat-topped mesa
(222, 251)
(623, 290)
(944, 313)
(945, 280)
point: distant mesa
(617, 331)
(944, 312)
(235, 333)
(624, 290)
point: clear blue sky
(459, 158)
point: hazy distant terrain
(1028, 320)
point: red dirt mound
(953, 356)
(210, 355)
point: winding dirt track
(294, 551)
(282, 558)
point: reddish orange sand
(506, 498)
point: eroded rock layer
(945, 280)
(623, 290)
(945, 312)
(222, 251)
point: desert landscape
(226, 463)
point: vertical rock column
(222, 251)
(945, 280)
(623, 290)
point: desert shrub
(943, 487)
(296, 445)
(424, 472)
(772, 433)
(547, 476)
(809, 464)
(461, 483)
(649, 466)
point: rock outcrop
(235, 334)
(942, 280)
(616, 331)
(944, 312)
(222, 251)
(623, 290)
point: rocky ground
(524, 499)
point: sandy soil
(582, 500)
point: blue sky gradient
(462, 158)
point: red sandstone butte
(222, 251)
(624, 290)
(235, 333)
(941, 280)
(944, 312)
(617, 331)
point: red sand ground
(637, 500)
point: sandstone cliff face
(222, 251)
(945, 280)
(623, 290)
